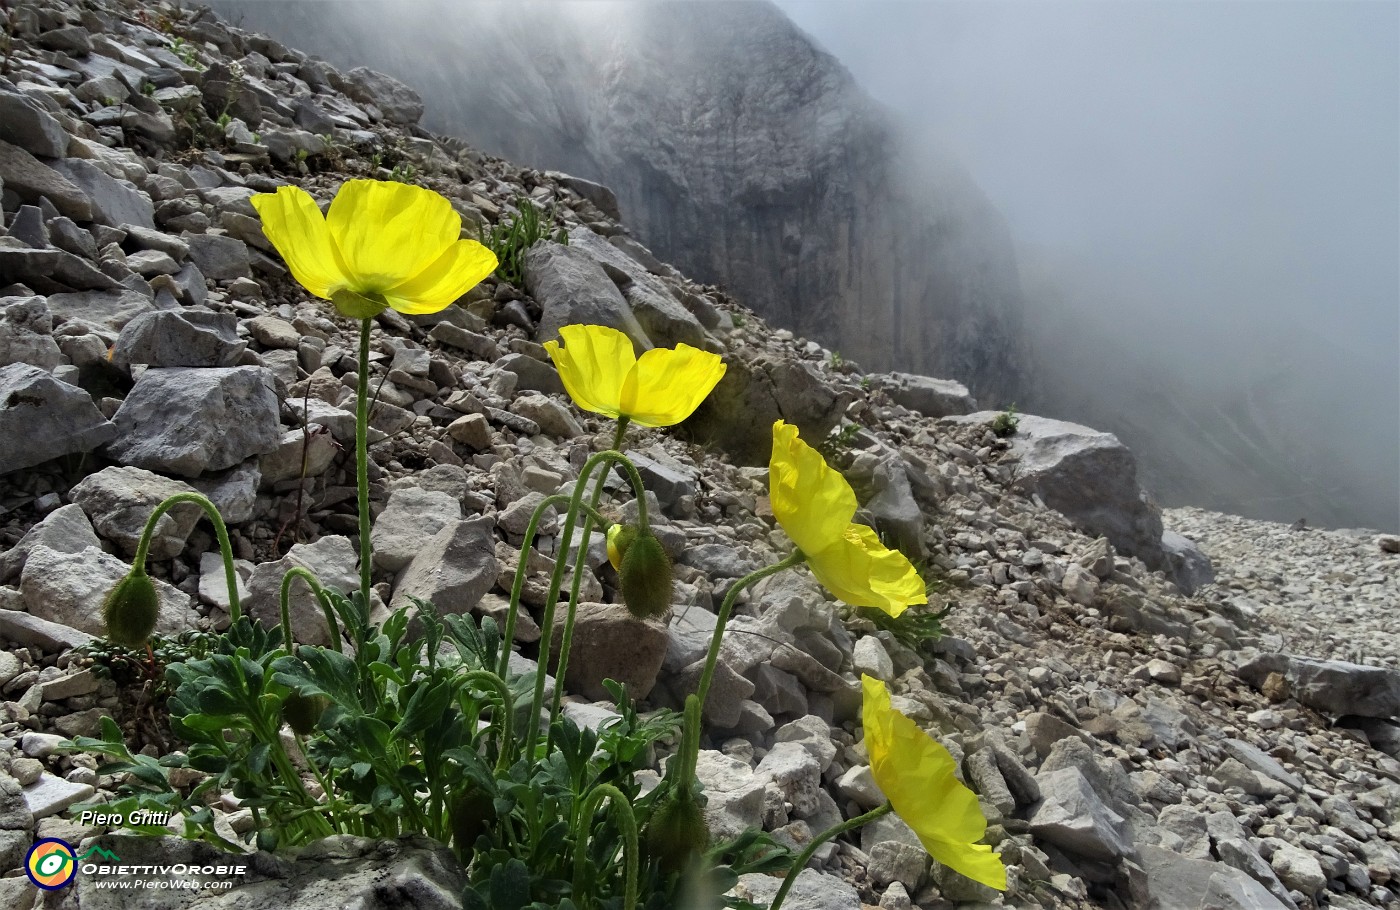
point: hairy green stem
(522, 570)
(362, 458)
(488, 680)
(220, 530)
(557, 577)
(321, 598)
(621, 811)
(722, 619)
(801, 862)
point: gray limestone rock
(114, 202)
(120, 500)
(611, 643)
(734, 794)
(1072, 817)
(411, 517)
(1173, 880)
(32, 180)
(65, 529)
(219, 256)
(42, 418)
(26, 629)
(331, 559)
(661, 314)
(111, 309)
(25, 333)
(738, 415)
(1331, 686)
(396, 101)
(932, 398)
(191, 337)
(453, 568)
(187, 421)
(27, 125)
(69, 589)
(571, 288)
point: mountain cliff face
(739, 150)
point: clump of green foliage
(1006, 422)
(839, 441)
(509, 238)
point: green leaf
(510, 886)
(218, 701)
(258, 758)
(425, 707)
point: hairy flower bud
(302, 712)
(676, 832)
(471, 814)
(130, 609)
(645, 576)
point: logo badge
(51, 864)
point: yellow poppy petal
(865, 573)
(387, 232)
(669, 384)
(296, 227)
(917, 776)
(812, 502)
(455, 272)
(593, 363)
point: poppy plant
(916, 775)
(381, 244)
(602, 373)
(814, 504)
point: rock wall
(739, 150)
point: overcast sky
(1239, 159)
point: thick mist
(1203, 198)
(1205, 206)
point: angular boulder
(611, 643)
(930, 397)
(191, 337)
(572, 288)
(119, 501)
(187, 421)
(69, 589)
(42, 418)
(1334, 687)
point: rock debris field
(1172, 710)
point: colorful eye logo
(50, 864)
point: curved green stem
(522, 570)
(722, 619)
(362, 458)
(220, 530)
(621, 811)
(557, 577)
(491, 681)
(801, 862)
(307, 576)
(566, 641)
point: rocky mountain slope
(740, 152)
(1133, 746)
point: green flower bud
(303, 712)
(645, 577)
(470, 814)
(130, 609)
(676, 832)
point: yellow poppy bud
(620, 537)
(131, 608)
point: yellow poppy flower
(603, 374)
(815, 505)
(916, 775)
(381, 244)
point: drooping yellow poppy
(815, 505)
(381, 244)
(602, 373)
(916, 775)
